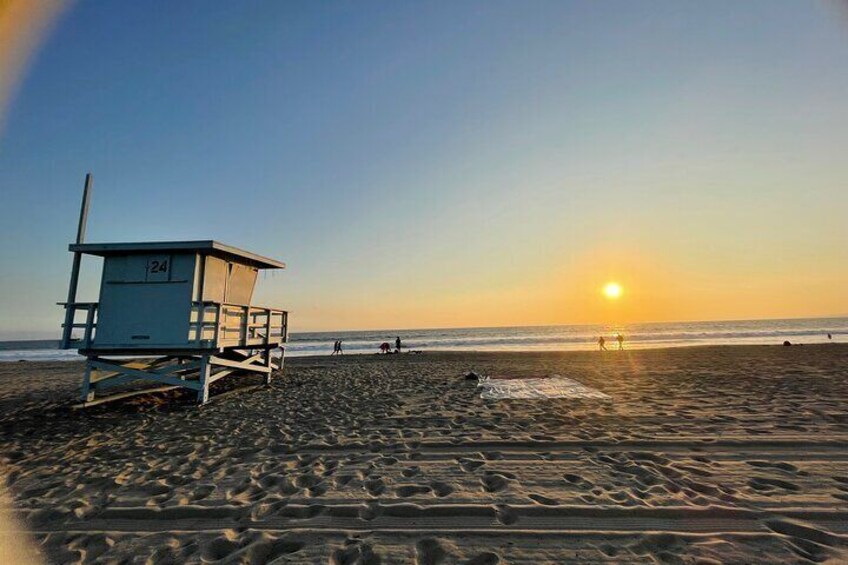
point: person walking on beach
(337, 348)
(601, 344)
(397, 344)
(620, 339)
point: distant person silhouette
(397, 344)
(339, 349)
(335, 348)
(620, 339)
(601, 344)
(829, 336)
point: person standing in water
(601, 344)
(397, 344)
(620, 339)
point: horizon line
(396, 330)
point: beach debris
(787, 343)
(472, 376)
(547, 386)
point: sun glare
(612, 290)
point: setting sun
(612, 290)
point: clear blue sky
(443, 163)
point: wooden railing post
(200, 315)
(268, 357)
(89, 324)
(203, 380)
(268, 331)
(218, 309)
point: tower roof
(206, 247)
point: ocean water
(525, 338)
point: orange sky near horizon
(572, 293)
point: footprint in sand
(375, 487)
(494, 482)
(429, 552)
(330, 468)
(270, 481)
(470, 465)
(543, 500)
(306, 460)
(342, 480)
(201, 492)
(302, 512)
(278, 548)
(781, 466)
(441, 489)
(487, 558)
(405, 491)
(370, 511)
(505, 515)
(661, 545)
(265, 509)
(307, 481)
(767, 484)
(318, 490)
(219, 548)
(356, 551)
(366, 472)
(572, 478)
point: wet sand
(708, 454)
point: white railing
(211, 325)
(228, 325)
(88, 327)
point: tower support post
(203, 380)
(87, 393)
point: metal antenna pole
(72, 287)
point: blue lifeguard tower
(176, 313)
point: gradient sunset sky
(442, 164)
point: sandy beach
(707, 454)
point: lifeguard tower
(176, 313)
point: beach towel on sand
(553, 386)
